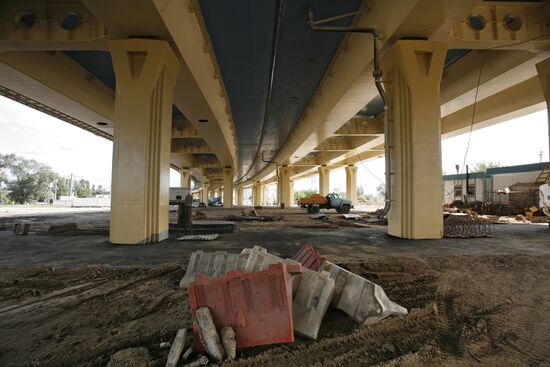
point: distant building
(492, 185)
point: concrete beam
(199, 91)
(57, 81)
(348, 84)
(362, 127)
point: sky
(68, 149)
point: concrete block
(212, 264)
(179, 344)
(311, 300)
(208, 336)
(309, 257)
(365, 301)
(259, 259)
(258, 306)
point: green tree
(82, 188)
(26, 180)
(484, 165)
(62, 188)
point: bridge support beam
(240, 196)
(351, 184)
(185, 177)
(204, 192)
(324, 180)
(414, 69)
(145, 71)
(228, 187)
(285, 187)
(257, 194)
(543, 69)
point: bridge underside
(241, 94)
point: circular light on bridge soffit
(512, 22)
(24, 19)
(101, 123)
(71, 21)
(477, 22)
(203, 120)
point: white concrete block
(311, 299)
(212, 264)
(259, 259)
(365, 301)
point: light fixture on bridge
(203, 120)
(24, 19)
(71, 21)
(476, 22)
(102, 123)
(513, 23)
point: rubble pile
(256, 298)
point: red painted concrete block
(309, 257)
(258, 306)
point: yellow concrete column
(291, 193)
(324, 180)
(413, 69)
(146, 71)
(240, 196)
(228, 187)
(284, 189)
(204, 192)
(258, 194)
(351, 184)
(185, 177)
(543, 69)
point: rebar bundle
(465, 226)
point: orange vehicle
(332, 201)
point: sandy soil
(467, 310)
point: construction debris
(257, 305)
(250, 212)
(61, 228)
(352, 216)
(363, 300)
(467, 225)
(212, 264)
(201, 361)
(198, 215)
(199, 237)
(322, 216)
(21, 228)
(208, 336)
(229, 343)
(253, 218)
(179, 344)
(309, 257)
(187, 353)
(311, 301)
(257, 298)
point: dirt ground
(481, 307)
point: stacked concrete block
(363, 300)
(311, 299)
(309, 257)
(259, 259)
(212, 264)
(256, 305)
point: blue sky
(68, 149)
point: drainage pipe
(377, 75)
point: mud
(464, 310)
